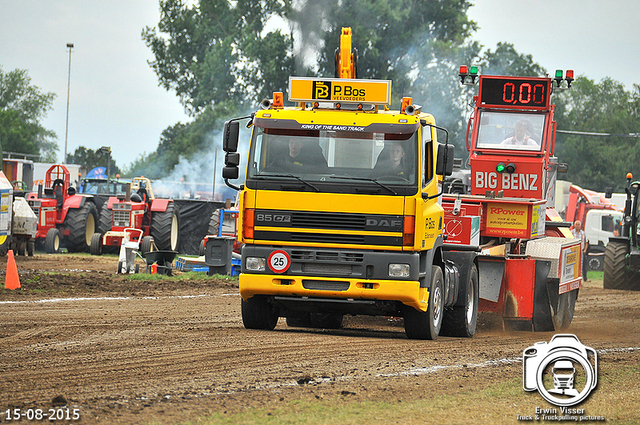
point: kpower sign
(376, 92)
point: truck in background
(599, 216)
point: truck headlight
(399, 270)
(255, 264)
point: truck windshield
(510, 130)
(323, 156)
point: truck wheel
(461, 320)
(594, 262)
(81, 223)
(258, 313)
(426, 325)
(566, 307)
(22, 247)
(616, 275)
(31, 247)
(165, 228)
(52, 241)
(96, 244)
(105, 221)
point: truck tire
(563, 316)
(165, 228)
(461, 320)
(105, 221)
(258, 313)
(96, 244)
(427, 324)
(81, 223)
(616, 275)
(22, 248)
(31, 247)
(52, 241)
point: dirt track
(128, 351)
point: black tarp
(194, 222)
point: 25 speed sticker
(279, 261)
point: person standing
(578, 233)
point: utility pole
(66, 131)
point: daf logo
(372, 222)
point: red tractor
(64, 217)
(530, 264)
(157, 218)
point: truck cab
(339, 212)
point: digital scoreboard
(526, 93)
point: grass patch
(595, 275)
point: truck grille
(325, 285)
(35, 206)
(328, 227)
(328, 220)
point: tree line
(222, 58)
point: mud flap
(545, 295)
(490, 274)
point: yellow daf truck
(339, 212)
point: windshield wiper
(261, 176)
(384, 186)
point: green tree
(507, 61)
(596, 162)
(91, 159)
(22, 108)
(217, 52)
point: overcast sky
(115, 99)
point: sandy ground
(136, 351)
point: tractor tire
(258, 313)
(427, 324)
(214, 223)
(165, 228)
(52, 241)
(616, 275)
(146, 245)
(96, 244)
(461, 321)
(81, 223)
(105, 220)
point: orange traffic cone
(12, 280)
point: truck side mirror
(230, 173)
(230, 136)
(444, 161)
